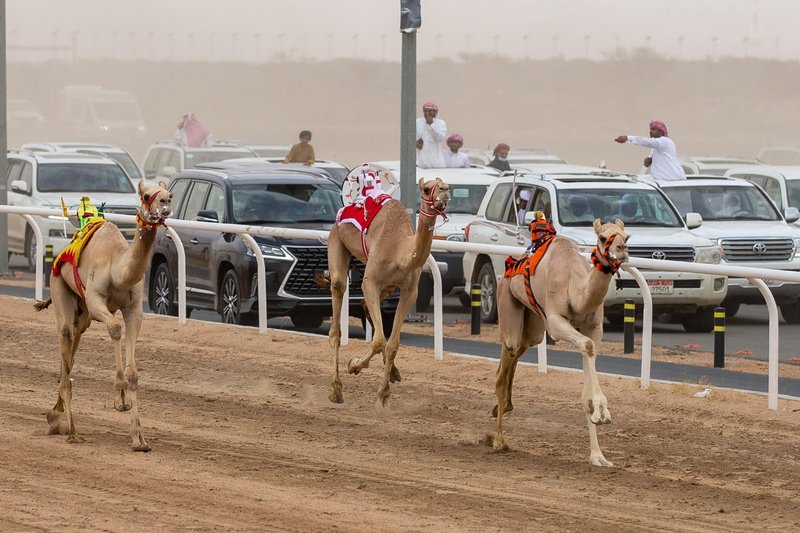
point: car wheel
(700, 322)
(424, 293)
(162, 292)
(616, 321)
(488, 283)
(230, 299)
(307, 321)
(731, 310)
(30, 250)
(465, 299)
(791, 313)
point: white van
(94, 113)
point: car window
(127, 163)
(171, 159)
(638, 207)
(541, 202)
(216, 202)
(516, 215)
(465, 199)
(721, 202)
(793, 191)
(13, 172)
(770, 185)
(494, 210)
(27, 174)
(151, 161)
(195, 200)
(279, 202)
(63, 177)
(178, 190)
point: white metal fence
(756, 276)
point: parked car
(42, 179)
(267, 150)
(90, 112)
(779, 155)
(782, 184)
(656, 232)
(516, 158)
(166, 158)
(739, 216)
(23, 116)
(468, 186)
(221, 271)
(337, 171)
(706, 165)
(111, 151)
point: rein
(431, 203)
(144, 223)
(606, 265)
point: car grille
(311, 260)
(677, 283)
(757, 249)
(675, 253)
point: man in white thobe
(431, 131)
(663, 159)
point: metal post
(719, 337)
(48, 263)
(475, 295)
(629, 323)
(408, 130)
(3, 143)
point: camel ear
(162, 184)
(422, 184)
(141, 188)
(597, 226)
(620, 223)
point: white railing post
(39, 280)
(541, 354)
(647, 324)
(181, 275)
(772, 369)
(438, 329)
(344, 317)
(261, 280)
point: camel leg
(408, 295)
(338, 263)
(532, 335)
(373, 302)
(133, 323)
(594, 402)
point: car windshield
(60, 177)
(127, 163)
(265, 203)
(465, 199)
(793, 189)
(723, 202)
(338, 174)
(635, 207)
(212, 156)
(117, 111)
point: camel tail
(323, 280)
(41, 306)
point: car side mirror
(207, 215)
(791, 214)
(168, 171)
(694, 220)
(22, 186)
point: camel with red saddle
(564, 296)
(109, 278)
(394, 256)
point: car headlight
(456, 237)
(797, 249)
(269, 251)
(709, 254)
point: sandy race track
(244, 438)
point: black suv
(221, 272)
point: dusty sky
(250, 30)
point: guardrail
(753, 275)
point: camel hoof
(508, 409)
(141, 447)
(601, 415)
(336, 397)
(123, 407)
(599, 460)
(499, 445)
(352, 366)
(74, 438)
(394, 376)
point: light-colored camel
(570, 291)
(396, 258)
(113, 274)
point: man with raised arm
(663, 159)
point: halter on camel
(431, 203)
(607, 265)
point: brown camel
(112, 273)
(570, 292)
(396, 258)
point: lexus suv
(573, 202)
(41, 179)
(740, 217)
(221, 270)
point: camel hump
(41, 306)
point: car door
(203, 243)
(197, 291)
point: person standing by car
(191, 132)
(500, 161)
(452, 157)
(431, 131)
(663, 159)
(301, 152)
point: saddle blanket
(361, 215)
(526, 266)
(71, 254)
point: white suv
(739, 216)
(166, 158)
(782, 184)
(42, 179)
(111, 151)
(573, 201)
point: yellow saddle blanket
(71, 254)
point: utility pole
(3, 143)
(410, 21)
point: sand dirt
(244, 438)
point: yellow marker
(64, 208)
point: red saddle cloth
(361, 215)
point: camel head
(435, 195)
(612, 246)
(156, 204)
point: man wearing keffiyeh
(663, 159)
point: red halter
(142, 222)
(607, 266)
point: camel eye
(146, 197)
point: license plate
(660, 286)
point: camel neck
(422, 240)
(130, 266)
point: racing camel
(394, 256)
(565, 297)
(109, 278)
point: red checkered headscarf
(657, 124)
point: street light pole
(3, 143)
(410, 21)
